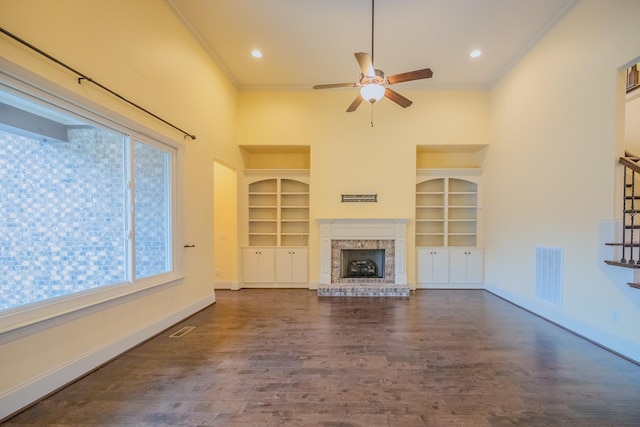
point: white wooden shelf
(278, 208)
(447, 208)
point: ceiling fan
(373, 82)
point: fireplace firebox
(362, 263)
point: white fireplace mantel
(363, 229)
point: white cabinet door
(299, 265)
(466, 265)
(474, 266)
(258, 265)
(291, 265)
(458, 260)
(433, 265)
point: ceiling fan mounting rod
(373, 82)
(372, 29)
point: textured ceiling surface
(307, 42)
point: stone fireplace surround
(391, 234)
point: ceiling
(308, 42)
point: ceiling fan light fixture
(372, 92)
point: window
(152, 219)
(85, 205)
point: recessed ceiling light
(475, 53)
(256, 53)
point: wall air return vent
(549, 275)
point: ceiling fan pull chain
(372, 114)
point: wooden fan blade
(425, 73)
(355, 104)
(397, 98)
(364, 60)
(333, 85)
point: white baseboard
(450, 286)
(609, 341)
(226, 284)
(275, 286)
(31, 391)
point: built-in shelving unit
(294, 213)
(447, 209)
(462, 215)
(278, 209)
(263, 213)
(430, 209)
(447, 225)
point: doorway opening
(225, 225)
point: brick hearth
(363, 290)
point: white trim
(366, 229)
(25, 83)
(25, 394)
(553, 314)
(177, 10)
(564, 11)
(232, 285)
(48, 314)
(632, 95)
(462, 286)
(274, 286)
(271, 173)
(446, 173)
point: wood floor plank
(286, 357)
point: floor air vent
(182, 332)
(549, 275)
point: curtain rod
(89, 79)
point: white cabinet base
(258, 265)
(449, 268)
(271, 267)
(291, 265)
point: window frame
(171, 193)
(23, 83)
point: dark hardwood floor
(287, 357)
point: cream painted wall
(348, 156)
(276, 160)
(550, 170)
(551, 126)
(632, 124)
(140, 50)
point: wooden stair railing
(630, 224)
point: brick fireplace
(363, 235)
